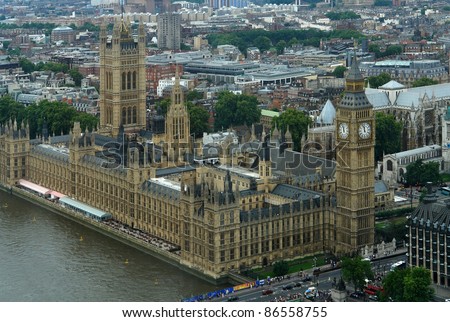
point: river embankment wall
(122, 237)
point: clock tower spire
(355, 141)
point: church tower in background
(122, 79)
(355, 141)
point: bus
(372, 289)
(445, 191)
(399, 265)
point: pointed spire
(253, 136)
(354, 73)
(288, 135)
(276, 133)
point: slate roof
(432, 214)
(296, 193)
(416, 151)
(377, 98)
(299, 164)
(380, 187)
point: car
(267, 292)
(306, 279)
(233, 299)
(447, 300)
(373, 297)
(354, 295)
(298, 284)
(288, 287)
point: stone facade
(222, 218)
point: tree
(356, 271)
(10, 110)
(193, 95)
(280, 268)
(380, 80)
(26, 65)
(59, 117)
(388, 133)
(339, 71)
(280, 46)
(76, 76)
(420, 173)
(393, 50)
(408, 285)
(232, 109)
(298, 125)
(163, 105)
(263, 43)
(198, 118)
(424, 81)
(292, 42)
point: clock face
(343, 130)
(364, 130)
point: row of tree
(401, 285)
(29, 67)
(59, 116)
(264, 39)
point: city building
(406, 71)
(169, 31)
(224, 217)
(63, 34)
(420, 109)
(429, 238)
(393, 166)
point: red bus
(373, 289)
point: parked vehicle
(267, 292)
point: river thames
(48, 258)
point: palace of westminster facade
(223, 217)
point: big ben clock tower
(355, 141)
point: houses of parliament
(223, 217)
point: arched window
(389, 165)
(129, 80)
(129, 116)
(134, 114)
(124, 116)
(134, 80)
(124, 81)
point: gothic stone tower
(122, 79)
(355, 135)
(177, 132)
(14, 152)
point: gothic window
(134, 114)
(129, 116)
(124, 81)
(181, 129)
(389, 165)
(134, 80)
(124, 116)
(129, 80)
